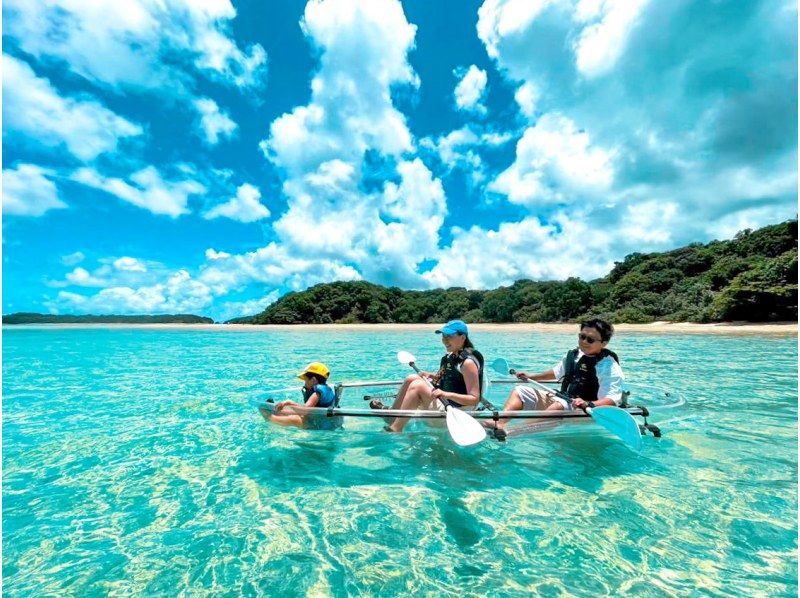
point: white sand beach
(726, 328)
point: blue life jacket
(327, 397)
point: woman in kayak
(590, 374)
(457, 383)
(316, 393)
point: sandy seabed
(727, 328)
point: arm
(472, 380)
(546, 376)
(297, 407)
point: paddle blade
(501, 366)
(464, 429)
(619, 422)
(406, 357)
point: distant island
(752, 277)
(32, 318)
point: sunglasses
(588, 339)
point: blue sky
(207, 157)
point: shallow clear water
(134, 463)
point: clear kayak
(352, 414)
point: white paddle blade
(619, 422)
(501, 366)
(464, 429)
(406, 357)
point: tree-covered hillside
(752, 277)
(33, 318)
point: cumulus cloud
(83, 278)
(146, 189)
(323, 149)
(555, 163)
(213, 123)
(463, 149)
(607, 25)
(73, 258)
(470, 90)
(363, 49)
(527, 95)
(144, 44)
(245, 207)
(178, 294)
(130, 264)
(697, 128)
(236, 309)
(29, 191)
(479, 258)
(34, 111)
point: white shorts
(534, 399)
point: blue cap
(454, 327)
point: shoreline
(726, 328)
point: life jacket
(327, 397)
(580, 378)
(450, 377)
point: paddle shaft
(558, 393)
(416, 369)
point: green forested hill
(33, 318)
(752, 277)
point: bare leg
(513, 403)
(398, 400)
(418, 394)
(283, 420)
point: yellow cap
(315, 367)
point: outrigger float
(465, 425)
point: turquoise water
(133, 463)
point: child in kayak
(316, 393)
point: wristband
(590, 404)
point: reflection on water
(133, 463)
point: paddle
(617, 421)
(463, 428)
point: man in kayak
(457, 383)
(316, 393)
(590, 374)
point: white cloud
(321, 149)
(527, 96)
(499, 19)
(179, 293)
(33, 109)
(600, 43)
(73, 258)
(236, 309)
(555, 163)
(470, 90)
(130, 264)
(462, 149)
(214, 123)
(363, 48)
(480, 258)
(147, 190)
(82, 278)
(143, 43)
(273, 265)
(28, 191)
(649, 222)
(245, 207)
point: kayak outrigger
(523, 422)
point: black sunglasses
(588, 339)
